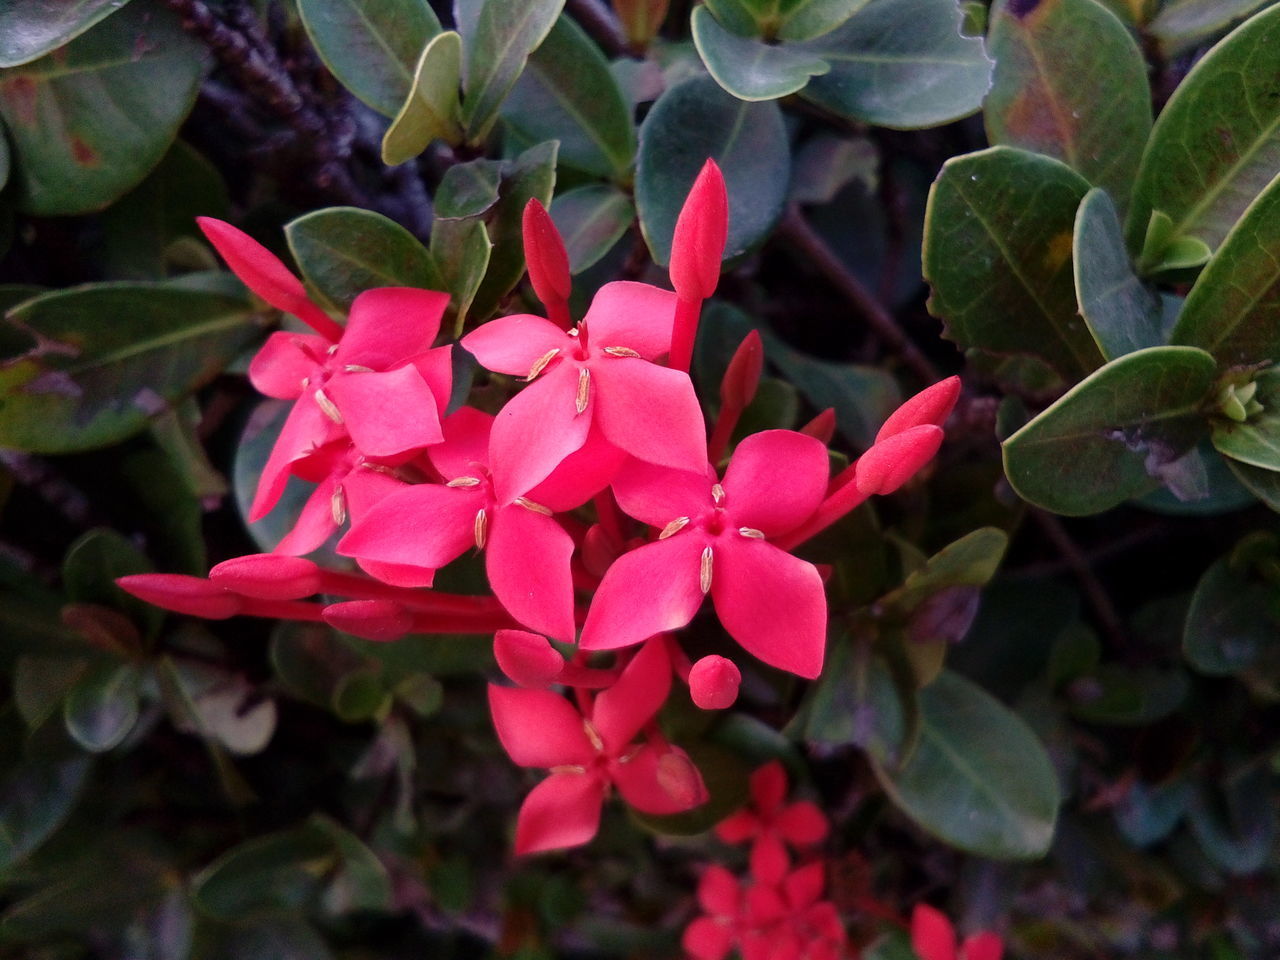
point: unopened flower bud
(545, 256)
(269, 576)
(680, 779)
(822, 427)
(193, 596)
(701, 231)
(380, 620)
(931, 405)
(714, 682)
(742, 376)
(895, 460)
(527, 658)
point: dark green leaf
(696, 120)
(281, 939)
(362, 882)
(1216, 144)
(432, 110)
(567, 93)
(343, 251)
(32, 28)
(495, 55)
(1263, 484)
(91, 567)
(1233, 311)
(862, 397)
(1183, 24)
(107, 357)
(102, 708)
(279, 874)
(1234, 819)
(91, 121)
(969, 562)
(1231, 622)
(901, 64)
(1211, 488)
(469, 189)
(749, 68)
(1111, 437)
(462, 252)
(1122, 313)
(978, 778)
(371, 45)
(36, 796)
(1147, 814)
(1126, 697)
(784, 19)
(997, 251)
(361, 696)
(591, 220)
(1052, 59)
(1256, 441)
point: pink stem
(719, 442)
(837, 504)
(558, 313)
(680, 661)
(684, 334)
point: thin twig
(1108, 618)
(599, 21)
(796, 230)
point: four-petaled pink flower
(934, 938)
(715, 540)
(588, 754)
(770, 823)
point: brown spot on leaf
(84, 154)
(20, 93)
(1020, 8)
(1059, 251)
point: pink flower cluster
(602, 508)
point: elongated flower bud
(193, 596)
(270, 576)
(742, 376)
(701, 231)
(381, 620)
(713, 683)
(822, 427)
(547, 261)
(931, 405)
(895, 460)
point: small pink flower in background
(770, 824)
(934, 938)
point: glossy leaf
(221, 706)
(1234, 820)
(1216, 144)
(31, 28)
(88, 123)
(970, 561)
(1233, 311)
(343, 251)
(1257, 440)
(591, 219)
(901, 64)
(371, 46)
(1112, 435)
(997, 251)
(462, 251)
(272, 875)
(102, 708)
(696, 120)
(567, 93)
(1053, 58)
(432, 109)
(1121, 312)
(496, 52)
(1263, 484)
(110, 356)
(749, 68)
(1182, 24)
(978, 779)
(861, 396)
(37, 795)
(1232, 621)
(91, 567)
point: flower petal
(738, 827)
(718, 891)
(802, 887)
(657, 495)
(932, 935)
(305, 429)
(527, 561)
(637, 316)
(620, 711)
(387, 413)
(772, 603)
(769, 862)
(512, 345)
(562, 811)
(650, 412)
(581, 475)
(436, 367)
(527, 658)
(647, 591)
(284, 361)
(388, 326)
(802, 824)
(775, 481)
(315, 524)
(931, 405)
(707, 939)
(465, 444)
(424, 525)
(534, 433)
(768, 788)
(982, 946)
(659, 781)
(539, 728)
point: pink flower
(587, 754)
(770, 823)
(934, 938)
(715, 540)
(594, 388)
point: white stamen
(463, 482)
(674, 527)
(541, 363)
(535, 507)
(717, 494)
(620, 352)
(593, 735)
(357, 368)
(338, 506)
(327, 405)
(704, 571)
(333, 348)
(584, 387)
(481, 529)
(751, 532)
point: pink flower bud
(701, 231)
(713, 683)
(193, 596)
(380, 620)
(822, 427)
(742, 376)
(932, 405)
(527, 658)
(269, 576)
(895, 460)
(545, 255)
(680, 779)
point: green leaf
(970, 561)
(107, 357)
(857, 700)
(221, 706)
(1110, 437)
(496, 52)
(1052, 57)
(1263, 484)
(102, 708)
(1233, 311)
(1147, 814)
(784, 19)
(978, 779)
(362, 882)
(862, 397)
(591, 220)
(1183, 24)
(695, 120)
(31, 28)
(140, 230)
(279, 874)
(280, 939)
(1120, 696)
(1233, 819)
(36, 796)
(1121, 312)
(371, 45)
(749, 68)
(1256, 441)
(343, 251)
(88, 123)
(432, 111)
(1231, 622)
(901, 64)
(1216, 144)
(568, 93)
(469, 189)
(462, 251)
(90, 569)
(997, 250)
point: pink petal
(386, 413)
(424, 525)
(657, 495)
(769, 860)
(512, 345)
(315, 524)
(527, 561)
(982, 946)
(802, 824)
(305, 429)
(581, 475)
(738, 827)
(895, 460)
(768, 788)
(659, 781)
(636, 316)
(700, 234)
(562, 811)
(931, 405)
(465, 449)
(650, 412)
(284, 361)
(764, 905)
(707, 939)
(718, 891)
(775, 481)
(932, 936)
(536, 431)
(650, 590)
(398, 574)
(772, 603)
(804, 886)
(539, 728)
(620, 711)
(436, 367)
(364, 487)
(527, 658)
(389, 326)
